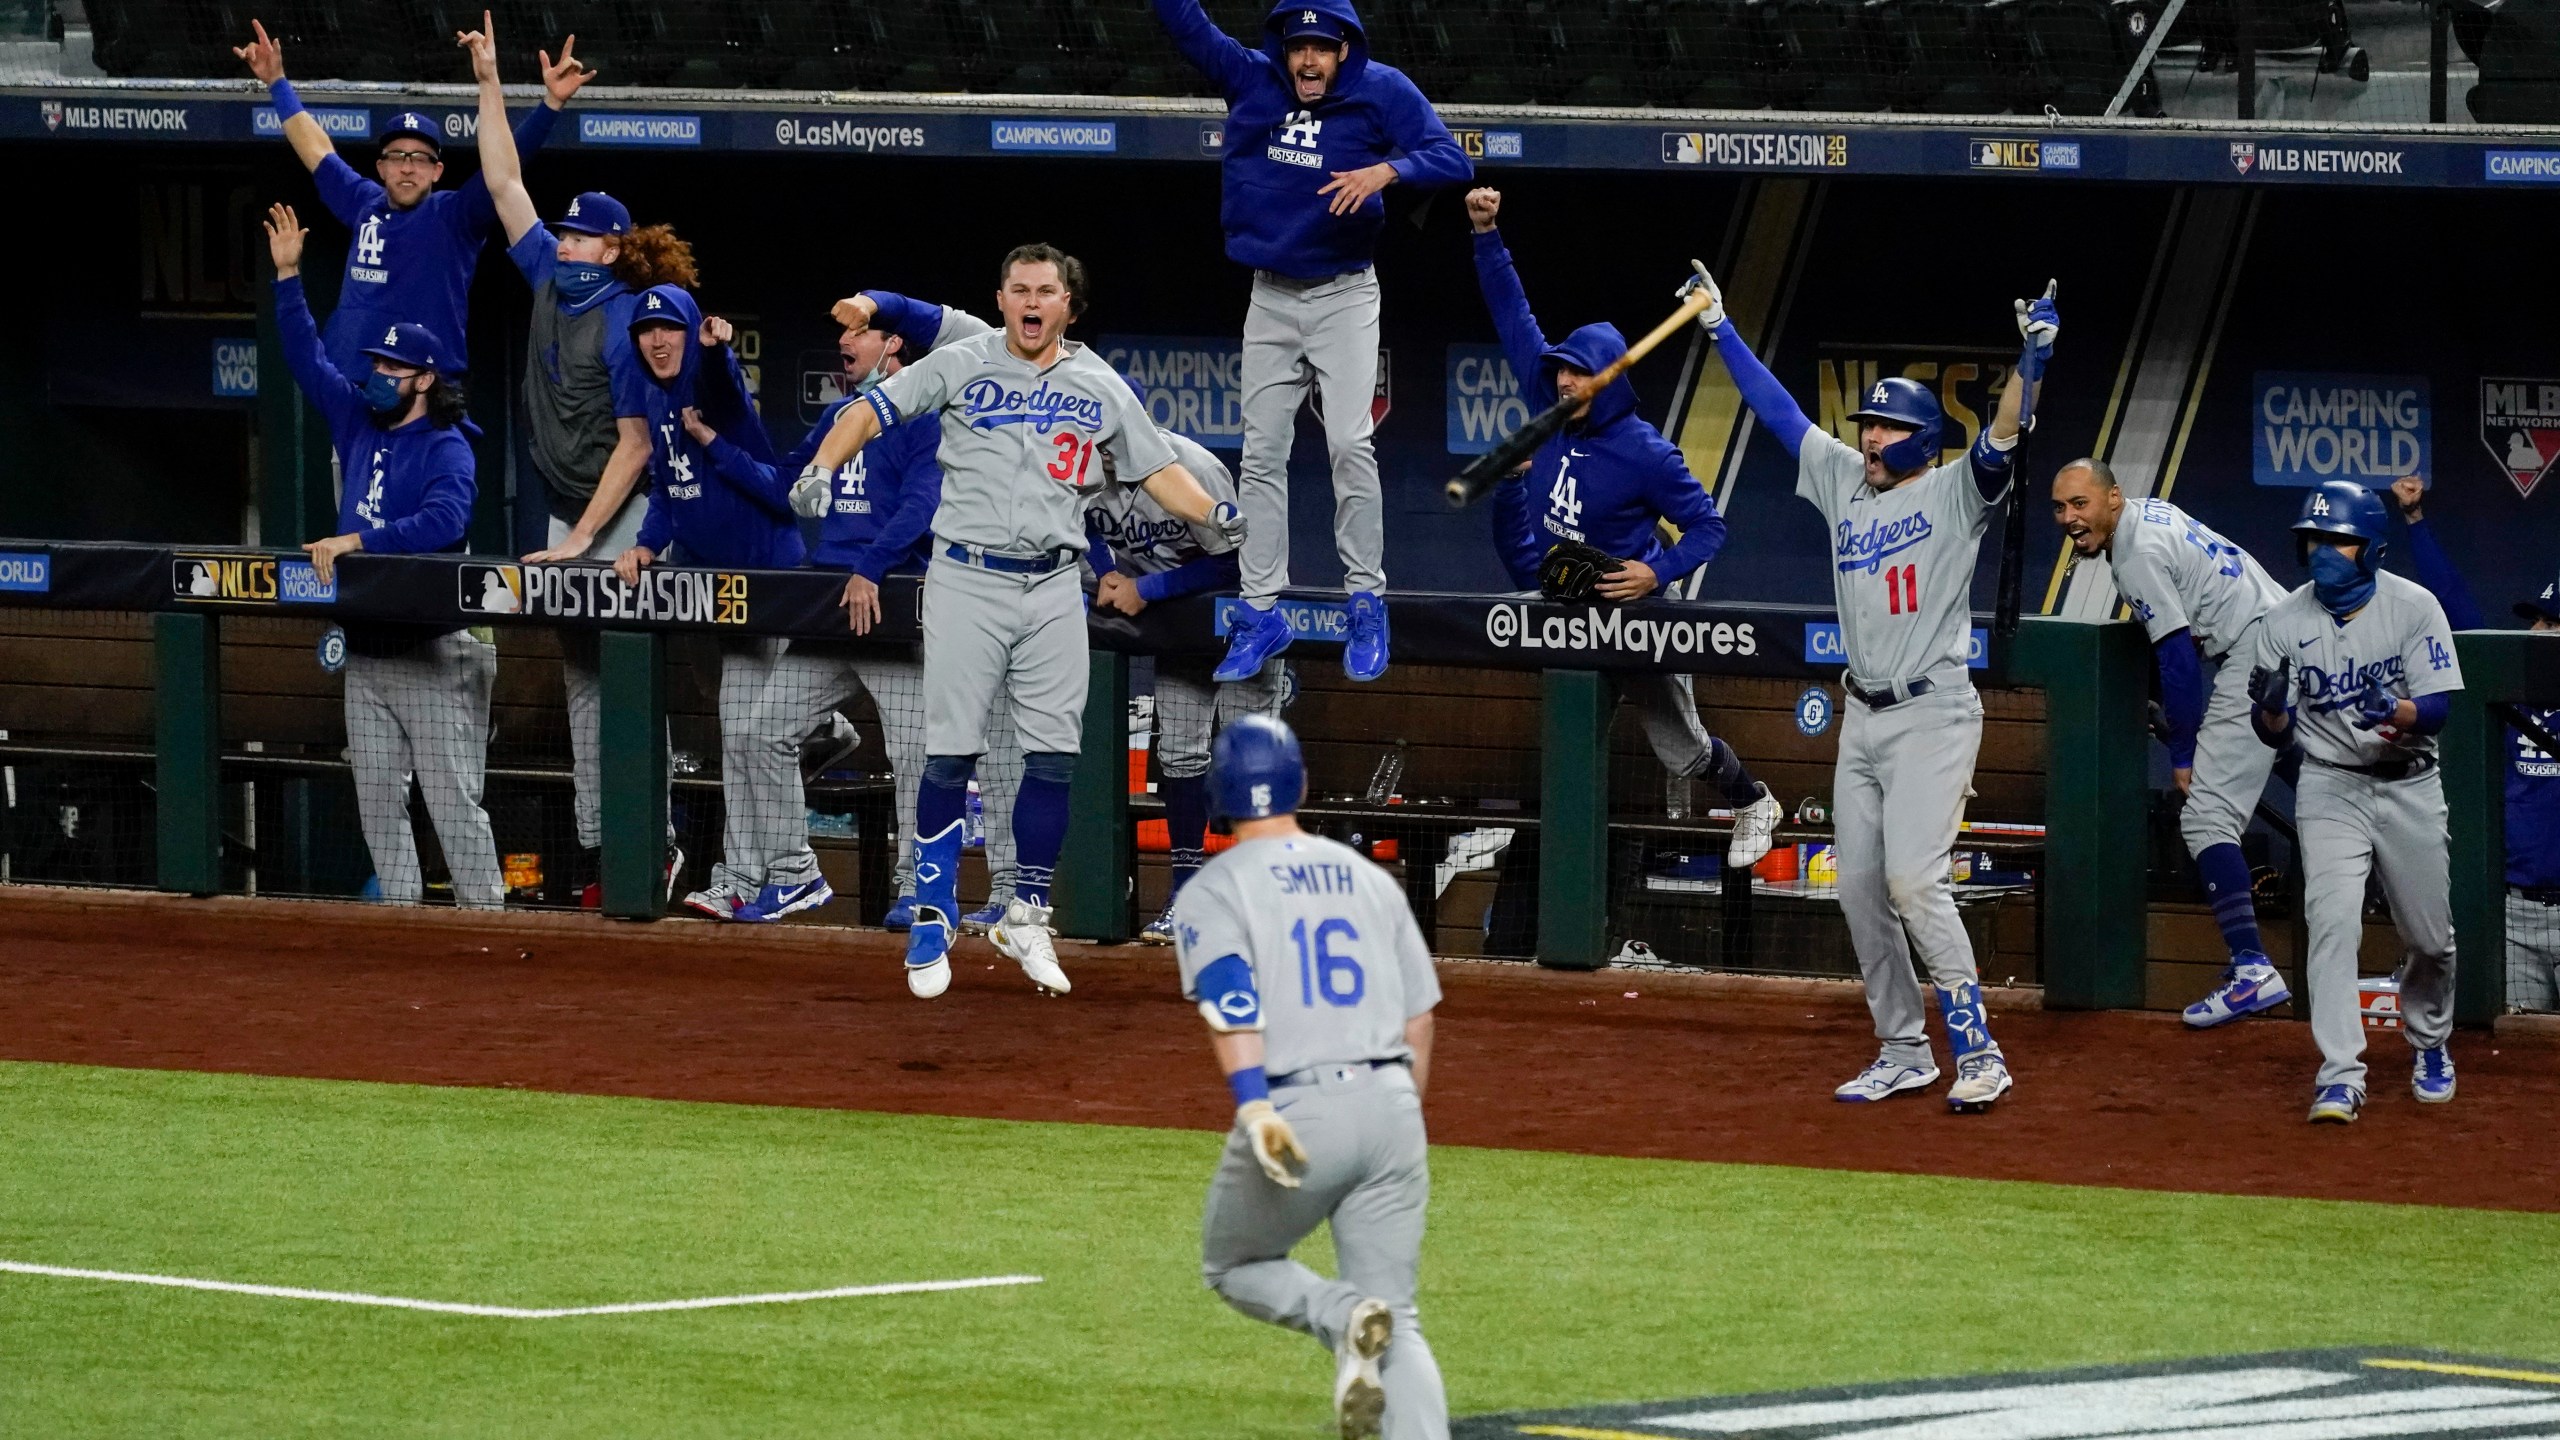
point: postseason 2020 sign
(2307, 427)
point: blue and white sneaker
(983, 919)
(1885, 1078)
(1253, 638)
(2250, 983)
(775, 901)
(2431, 1080)
(1364, 654)
(2336, 1105)
(928, 953)
(1159, 931)
(901, 915)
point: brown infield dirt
(1617, 1063)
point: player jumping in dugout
(1315, 130)
(1906, 532)
(1610, 481)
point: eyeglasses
(408, 157)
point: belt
(1301, 282)
(1890, 695)
(2409, 768)
(2538, 894)
(1010, 564)
(1314, 1073)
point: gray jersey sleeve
(918, 390)
(2428, 660)
(1137, 448)
(2144, 579)
(1212, 925)
(1213, 476)
(1828, 472)
(959, 324)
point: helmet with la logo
(2349, 511)
(1903, 401)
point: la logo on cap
(1307, 17)
(391, 336)
(656, 304)
(573, 205)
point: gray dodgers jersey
(1019, 443)
(2400, 637)
(2177, 574)
(1144, 537)
(1902, 559)
(1336, 957)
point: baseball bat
(1478, 478)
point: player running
(415, 246)
(1905, 533)
(1022, 412)
(2195, 593)
(2533, 772)
(1141, 554)
(1318, 989)
(417, 698)
(1315, 129)
(2357, 667)
(1610, 481)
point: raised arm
(2435, 568)
(501, 168)
(265, 55)
(1523, 343)
(334, 393)
(1776, 410)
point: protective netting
(76, 799)
(2354, 62)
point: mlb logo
(1683, 147)
(52, 110)
(2244, 155)
(490, 589)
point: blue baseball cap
(408, 345)
(2545, 606)
(1301, 23)
(593, 212)
(417, 123)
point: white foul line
(511, 1312)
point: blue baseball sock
(2226, 884)
(1733, 779)
(940, 802)
(1186, 819)
(1968, 1028)
(1040, 822)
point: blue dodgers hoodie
(1605, 479)
(1278, 154)
(880, 504)
(409, 489)
(724, 503)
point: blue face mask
(579, 283)
(382, 396)
(2339, 583)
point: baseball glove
(1572, 570)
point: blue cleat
(1255, 636)
(2431, 1080)
(2249, 985)
(1364, 655)
(901, 915)
(983, 919)
(2336, 1105)
(775, 901)
(929, 953)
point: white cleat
(1359, 1395)
(1885, 1078)
(1753, 827)
(1023, 935)
(928, 953)
(1981, 1079)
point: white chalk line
(511, 1312)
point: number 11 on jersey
(1902, 589)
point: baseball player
(2195, 594)
(415, 246)
(1315, 129)
(1022, 413)
(417, 697)
(1141, 554)
(2357, 667)
(1905, 531)
(1609, 482)
(716, 498)
(2533, 773)
(1318, 989)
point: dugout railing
(1570, 839)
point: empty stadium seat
(1713, 55)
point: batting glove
(2375, 707)
(1275, 1145)
(809, 492)
(2272, 690)
(1712, 318)
(1229, 520)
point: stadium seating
(2520, 66)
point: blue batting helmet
(1255, 770)
(2348, 511)
(1901, 400)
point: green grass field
(1549, 1279)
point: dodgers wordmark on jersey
(1903, 561)
(1018, 441)
(2177, 574)
(1332, 950)
(2400, 638)
(1146, 538)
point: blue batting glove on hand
(2375, 707)
(2039, 322)
(2272, 690)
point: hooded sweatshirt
(725, 503)
(880, 504)
(1279, 154)
(1605, 479)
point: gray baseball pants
(2533, 954)
(2353, 825)
(579, 677)
(426, 713)
(1321, 334)
(1668, 708)
(1898, 794)
(1191, 708)
(994, 635)
(1369, 1173)
(2232, 763)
